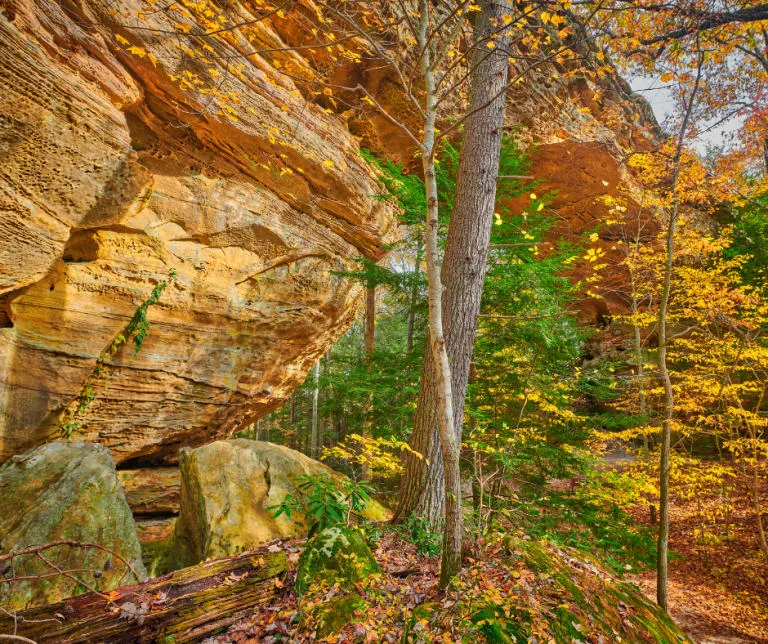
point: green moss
(332, 616)
(498, 628)
(158, 557)
(335, 555)
(584, 599)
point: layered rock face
(118, 166)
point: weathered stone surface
(336, 554)
(65, 491)
(226, 488)
(114, 171)
(152, 491)
(156, 539)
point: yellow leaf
(121, 40)
(137, 51)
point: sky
(659, 96)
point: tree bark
(669, 400)
(464, 265)
(666, 381)
(369, 343)
(314, 445)
(183, 606)
(413, 298)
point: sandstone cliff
(124, 158)
(113, 172)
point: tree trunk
(314, 445)
(422, 491)
(449, 440)
(413, 299)
(640, 367)
(669, 398)
(183, 606)
(292, 422)
(464, 265)
(756, 484)
(369, 341)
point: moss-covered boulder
(65, 491)
(227, 488)
(335, 555)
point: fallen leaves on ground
(513, 585)
(718, 586)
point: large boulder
(335, 555)
(114, 171)
(65, 491)
(226, 490)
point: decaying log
(183, 606)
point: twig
(17, 638)
(36, 550)
(66, 573)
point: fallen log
(183, 606)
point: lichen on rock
(335, 555)
(65, 491)
(227, 488)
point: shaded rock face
(152, 492)
(65, 491)
(226, 490)
(114, 172)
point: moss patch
(335, 555)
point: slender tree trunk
(640, 368)
(669, 397)
(449, 439)
(314, 445)
(413, 299)
(292, 422)
(756, 482)
(464, 266)
(369, 341)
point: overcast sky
(658, 95)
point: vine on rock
(137, 328)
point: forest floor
(718, 586)
(540, 592)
